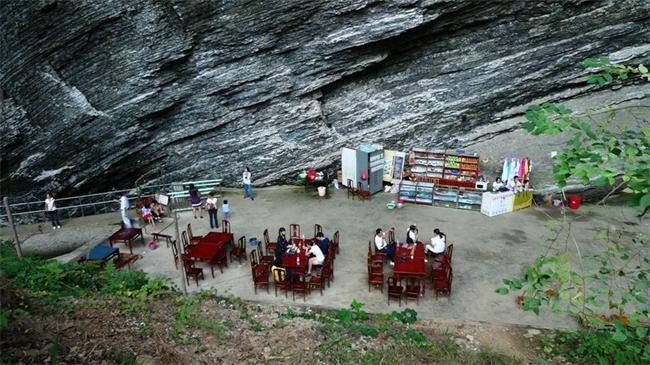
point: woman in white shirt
(497, 184)
(212, 206)
(438, 242)
(316, 257)
(50, 209)
(247, 184)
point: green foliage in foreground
(601, 149)
(597, 347)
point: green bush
(598, 347)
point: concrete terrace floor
(486, 250)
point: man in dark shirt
(323, 242)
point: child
(147, 215)
(225, 207)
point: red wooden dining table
(209, 246)
(407, 267)
(291, 261)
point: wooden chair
(300, 285)
(376, 277)
(294, 231)
(327, 272)
(191, 271)
(391, 235)
(185, 241)
(335, 241)
(395, 290)
(442, 285)
(175, 253)
(319, 280)
(264, 259)
(449, 252)
(253, 258)
(317, 229)
(239, 251)
(352, 191)
(260, 277)
(225, 226)
(374, 257)
(158, 236)
(280, 281)
(192, 238)
(268, 245)
(220, 260)
(126, 259)
(413, 289)
(361, 192)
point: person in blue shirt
(323, 242)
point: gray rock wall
(98, 94)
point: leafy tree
(608, 287)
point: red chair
(294, 231)
(374, 257)
(185, 241)
(191, 271)
(260, 277)
(264, 259)
(442, 285)
(225, 226)
(192, 238)
(219, 260)
(413, 289)
(253, 258)
(376, 277)
(268, 245)
(280, 281)
(395, 290)
(319, 280)
(335, 241)
(239, 251)
(449, 252)
(175, 254)
(317, 229)
(300, 285)
(391, 235)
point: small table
(126, 235)
(103, 254)
(209, 246)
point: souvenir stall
(443, 177)
(516, 193)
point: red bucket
(574, 201)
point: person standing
(247, 184)
(225, 208)
(195, 200)
(211, 203)
(50, 209)
(124, 210)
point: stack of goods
(416, 192)
(497, 203)
(444, 167)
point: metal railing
(105, 202)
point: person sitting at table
(281, 246)
(497, 184)
(316, 257)
(383, 247)
(412, 234)
(323, 243)
(438, 241)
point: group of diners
(409, 264)
(436, 247)
(297, 264)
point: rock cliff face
(98, 94)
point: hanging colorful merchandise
(516, 170)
